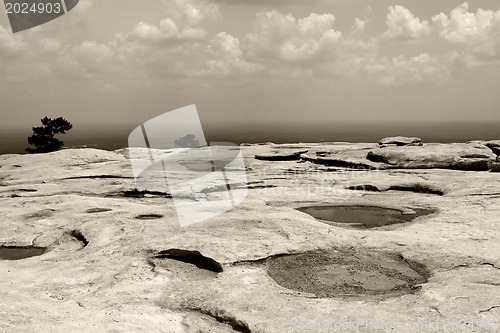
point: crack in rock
(223, 317)
(417, 188)
(495, 284)
(34, 239)
(97, 210)
(149, 217)
(259, 186)
(337, 162)
(281, 156)
(485, 194)
(367, 187)
(139, 194)
(262, 260)
(99, 177)
(489, 309)
(490, 264)
(435, 308)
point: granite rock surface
(117, 259)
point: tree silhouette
(187, 141)
(43, 136)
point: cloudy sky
(120, 62)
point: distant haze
(116, 138)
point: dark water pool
(362, 217)
(17, 253)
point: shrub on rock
(43, 136)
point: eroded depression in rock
(17, 253)
(149, 216)
(348, 273)
(191, 257)
(362, 217)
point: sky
(112, 63)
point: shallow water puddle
(341, 273)
(361, 217)
(17, 253)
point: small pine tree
(43, 136)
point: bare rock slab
(353, 159)
(493, 144)
(399, 141)
(469, 157)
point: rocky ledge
(409, 153)
(410, 234)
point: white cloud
(359, 25)
(402, 24)
(184, 22)
(273, 3)
(225, 56)
(479, 32)
(166, 30)
(149, 32)
(284, 37)
(462, 25)
(278, 46)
